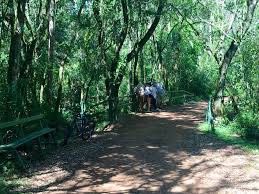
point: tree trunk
(112, 86)
(142, 68)
(24, 78)
(51, 39)
(135, 77)
(88, 87)
(131, 55)
(113, 103)
(114, 80)
(60, 86)
(160, 57)
(133, 83)
(17, 29)
(218, 98)
(139, 45)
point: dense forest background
(61, 56)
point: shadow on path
(149, 153)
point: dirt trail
(149, 153)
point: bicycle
(83, 125)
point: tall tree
(51, 43)
(230, 53)
(17, 20)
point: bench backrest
(21, 121)
(18, 122)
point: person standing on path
(153, 96)
(148, 95)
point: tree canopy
(59, 55)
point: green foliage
(229, 112)
(6, 187)
(7, 166)
(3, 186)
(246, 124)
(177, 100)
(226, 133)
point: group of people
(149, 93)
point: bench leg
(19, 159)
(54, 139)
(39, 146)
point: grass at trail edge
(226, 134)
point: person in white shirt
(139, 91)
(160, 94)
(148, 95)
(154, 97)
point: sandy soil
(148, 153)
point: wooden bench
(24, 135)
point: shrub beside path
(148, 153)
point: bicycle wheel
(88, 131)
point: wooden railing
(180, 94)
(101, 108)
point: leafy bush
(8, 167)
(229, 112)
(3, 187)
(246, 124)
(8, 186)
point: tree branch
(139, 45)
(80, 11)
(122, 36)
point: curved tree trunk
(135, 51)
(218, 98)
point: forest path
(149, 153)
